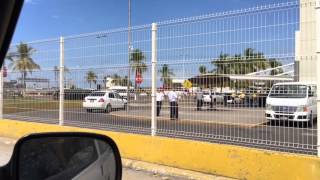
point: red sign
(139, 78)
(5, 73)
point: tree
(273, 64)
(249, 62)
(137, 63)
(202, 69)
(22, 61)
(56, 71)
(104, 81)
(166, 74)
(221, 64)
(91, 77)
(124, 81)
(116, 79)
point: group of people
(173, 100)
(199, 98)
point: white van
(292, 101)
(122, 91)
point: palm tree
(273, 64)
(166, 74)
(91, 77)
(56, 73)
(104, 81)
(221, 64)
(137, 63)
(202, 69)
(124, 81)
(116, 79)
(22, 61)
(249, 62)
(254, 61)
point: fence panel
(231, 60)
(222, 67)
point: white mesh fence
(244, 77)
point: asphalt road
(287, 137)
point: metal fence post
(1, 92)
(154, 80)
(61, 79)
(317, 18)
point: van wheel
(108, 108)
(272, 122)
(310, 122)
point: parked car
(212, 96)
(122, 91)
(294, 101)
(104, 100)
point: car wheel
(125, 106)
(108, 108)
(89, 110)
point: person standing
(173, 98)
(199, 97)
(159, 97)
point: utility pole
(129, 52)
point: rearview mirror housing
(64, 155)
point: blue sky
(194, 43)
(43, 19)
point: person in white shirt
(199, 97)
(159, 97)
(173, 98)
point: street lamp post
(129, 53)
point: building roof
(45, 80)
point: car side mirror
(57, 156)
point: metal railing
(221, 67)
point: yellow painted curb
(225, 160)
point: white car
(294, 101)
(104, 100)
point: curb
(209, 158)
(169, 171)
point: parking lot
(232, 124)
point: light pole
(183, 64)
(129, 53)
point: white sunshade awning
(261, 78)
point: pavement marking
(114, 113)
(313, 134)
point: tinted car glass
(97, 94)
(111, 95)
